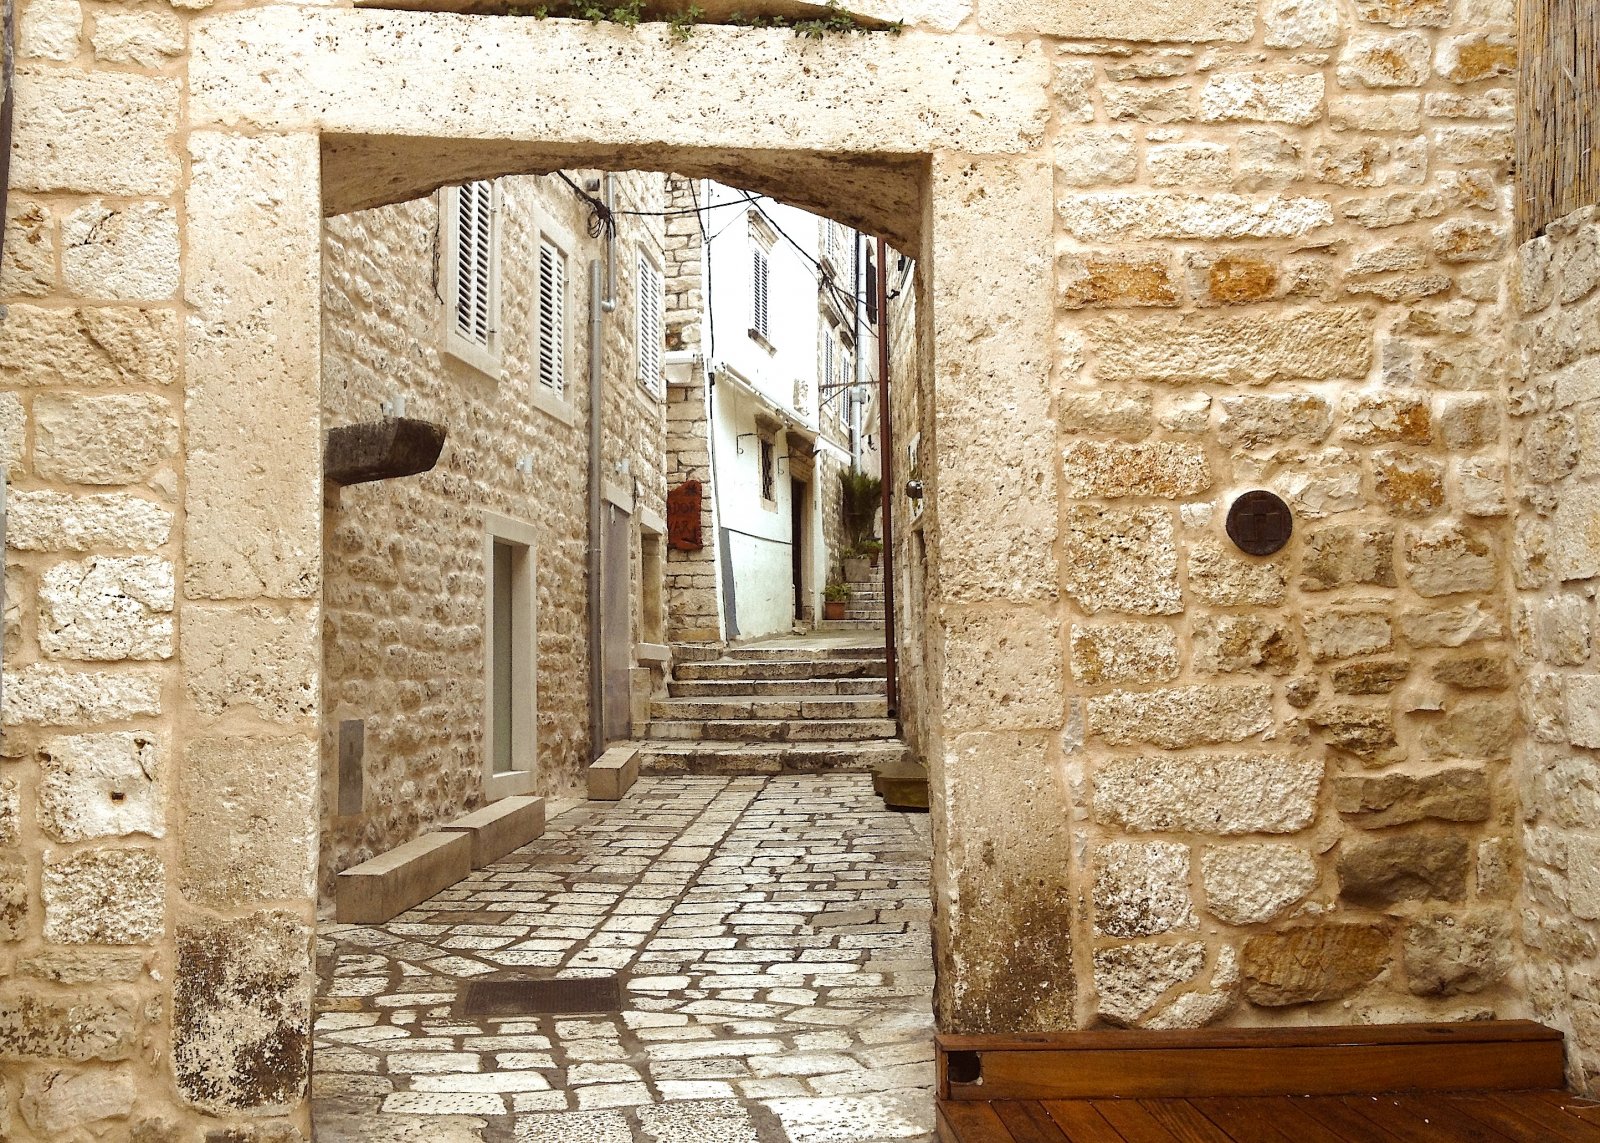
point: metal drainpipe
(598, 307)
(849, 395)
(886, 459)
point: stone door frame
(292, 107)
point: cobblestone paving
(773, 938)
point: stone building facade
(1173, 252)
(404, 582)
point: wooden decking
(1432, 1117)
(1491, 1081)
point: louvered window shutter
(552, 317)
(474, 251)
(759, 294)
(651, 302)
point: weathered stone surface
(1214, 793)
(1383, 871)
(1119, 279)
(1385, 61)
(1449, 953)
(29, 269)
(1475, 728)
(1228, 643)
(1130, 980)
(1181, 716)
(1302, 23)
(1253, 421)
(124, 253)
(1104, 216)
(1124, 653)
(1338, 555)
(107, 608)
(1227, 579)
(104, 896)
(49, 30)
(1197, 1007)
(1121, 560)
(1300, 344)
(1165, 469)
(251, 657)
(1189, 165)
(1191, 20)
(1345, 632)
(1473, 672)
(1386, 417)
(1583, 710)
(37, 1025)
(1141, 889)
(1091, 156)
(1123, 412)
(46, 695)
(87, 966)
(115, 439)
(1450, 626)
(87, 348)
(1466, 240)
(96, 133)
(241, 1018)
(58, 1102)
(13, 896)
(56, 522)
(1365, 731)
(1575, 541)
(1372, 677)
(1448, 558)
(1262, 97)
(101, 785)
(1409, 484)
(250, 828)
(1311, 963)
(1458, 795)
(1253, 884)
(147, 39)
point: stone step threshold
(850, 624)
(831, 706)
(768, 654)
(382, 888)
(613, 774)
(772, 729)
(741, 758)
(777, 669)
(746, 690)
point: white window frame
(556, 385)
(650, 325)
(762, 242)
(485, 356)
(555, 402)
(524, 658)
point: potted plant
(872, 549)
(835, 597)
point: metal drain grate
(542, 997)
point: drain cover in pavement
(542, 997)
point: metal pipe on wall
(886, 462)
(597, 681)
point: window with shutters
(760, 281)
(550, 323)
(652, 324)
(471, 268)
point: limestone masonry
(1166, 253)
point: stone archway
(297, 112)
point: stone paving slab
(773, 938)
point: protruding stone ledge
(614, 773)
(500, 827)
(379, 890)
(381, 450)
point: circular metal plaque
(1260, 523)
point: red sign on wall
(683, 517)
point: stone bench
(500, 827)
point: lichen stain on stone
(241, 1017)
(1014, 972)
(1236, 280)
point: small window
(870, 285)
(759, 275)
(769, 475)
(652, 303)
(552, 319)
(471, 273)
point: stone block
(1339, 555)
(116, 439)
(1229, 643)
(1113, 216)
(1299, 345)
(1384, 871)
(38, 1024)
(1575, 540)
(107, 608)
(1583, 710)
(386, 886)
(1372, 677)
(14, 894)
(1406, 13)
(252, 657)
(1165, 469)
(1095, 156)
(1262, 97)
(1130, 980)
(126, 253)
(1124, 413)
(1212, 793)
(105, 897)
(59, 1102)
(1146, 103)
(1255, 420)
(1221, 577)
(613, 774)
(241, 1013)
(1302, 23)
(1309, 963)
(1195, 164)
(250, 825)
(1190, 21)
(1407, 483)
(1124, 653)
(1141, 889)
(1475, 727)
(1257, 883)
(1345, 632)
(1387, 416)
(1363, 730)
(1448, 558)
(49, 30)
(1371, 60)
(29, 268)
(144, 39)
(1002, 670)
(500, 827)
(102, 785)
(95, 133)
(1116, 279)
(1181, 716)
(1473, 672)
(45, 695)
(1460, 794)
(1121, 559)
(87, 348)
(57, 522)
(1447, 954)
(1450, 626)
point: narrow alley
(770, 937)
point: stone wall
(404, 578)
(1555, 409)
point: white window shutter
(758, 286)
(651, 334)
(552, 317)
(474, 316)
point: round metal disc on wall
(1260, 523)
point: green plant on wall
(682, 21)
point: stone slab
(500, 827)
(614, 773)
(380, 889)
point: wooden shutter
(651, 335)
(474, 258)
(758, 289)
(552, 317)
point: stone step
(789, 654)
(500, 827)
(857, 706)
(768, 670)
(744, 690)
(863, 613)
(771, 729)
(727, 758)
(874, 624)
(382, 888)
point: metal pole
(597, 682)
(886, 462)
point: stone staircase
(864, 611)
(769, 710)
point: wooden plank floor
(1428, 1117)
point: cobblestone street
(772, 938)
